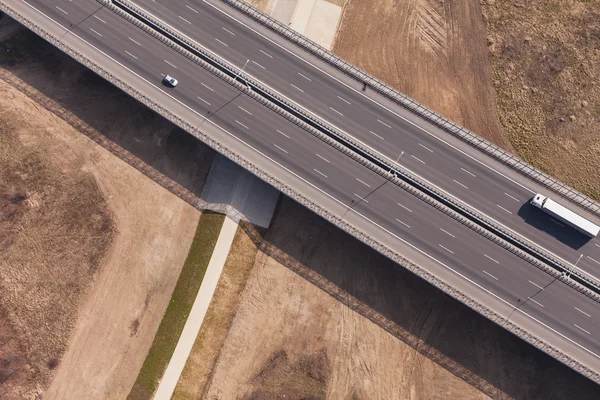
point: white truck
(565, 215)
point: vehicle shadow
(548, 224)
(433, 324)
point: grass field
(179, 308)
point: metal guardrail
(400, 98)
(302, 199)
(414, 188)
(409, 177)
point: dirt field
(546, 68)
(323, 316)
(84, 318)
(434, 51)
(55, 228)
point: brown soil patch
(105, 328)
(323, 316)
(434, 51)
(55, 228)
(546, 69)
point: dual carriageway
(548, 307)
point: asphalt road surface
(549, 308)
(385, 128)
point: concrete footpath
(235, 192)
(199, 309)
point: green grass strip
(179, 308)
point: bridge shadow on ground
(420, 315)
(438, 327)
(551, 226)
(136, 134)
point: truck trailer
(565, 215)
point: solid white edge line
(322, 191)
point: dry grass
(55, 228)
(120, 313)
(434, 51)
(546, 70)
(219, 317)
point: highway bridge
(332, 155)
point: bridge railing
(133, 13)
(302, 199)
(405, 101)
